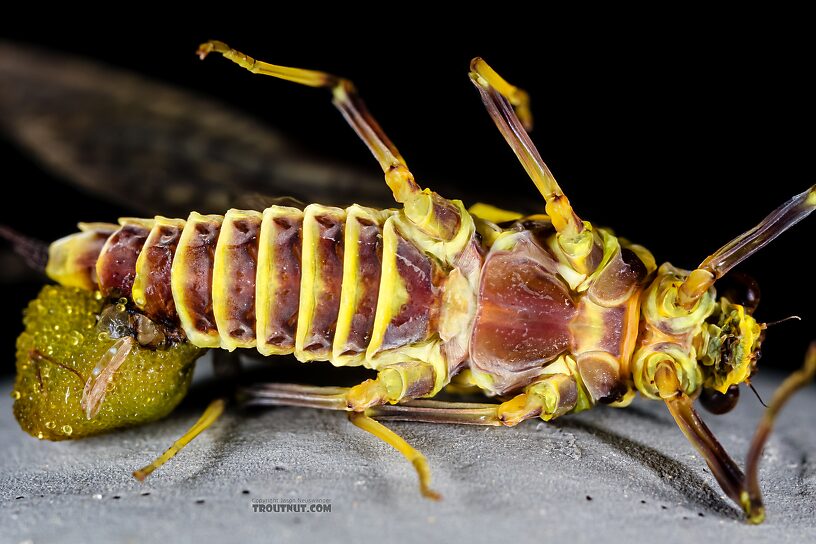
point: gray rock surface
(603, 476)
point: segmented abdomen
(323, 283)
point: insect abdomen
(282, 281)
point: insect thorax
(540, 315)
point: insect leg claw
(208, 47)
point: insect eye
(740, 288)
(719, 403)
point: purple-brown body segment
(116, 265)
(415, 319)
(284, 272)
(524, 315)
(328, 282)
(200, 281)
(192, 273)
(72, 260)
(369, 251)
(154, 266)
(86, 261)
(236, 264)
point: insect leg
(402, 381)
(336, 398)
(742, 489)
(724, 469)
(499, 97)
(518, 98)
(552, 396)
(794, 382)
(745, 245)
(666, 373)
(333, 398)
(419, 205)
(420, 463)
(213, 411)
(397, 383)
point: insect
(546, 312)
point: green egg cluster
(57, 354)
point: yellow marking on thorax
(588, 327)
(631, 329)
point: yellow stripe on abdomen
(321, 281)
(362, 264)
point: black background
(680, 131)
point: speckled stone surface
(603, 476)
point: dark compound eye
(719, 403)
(740, 288)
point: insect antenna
(762, 402)
(783, 320)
